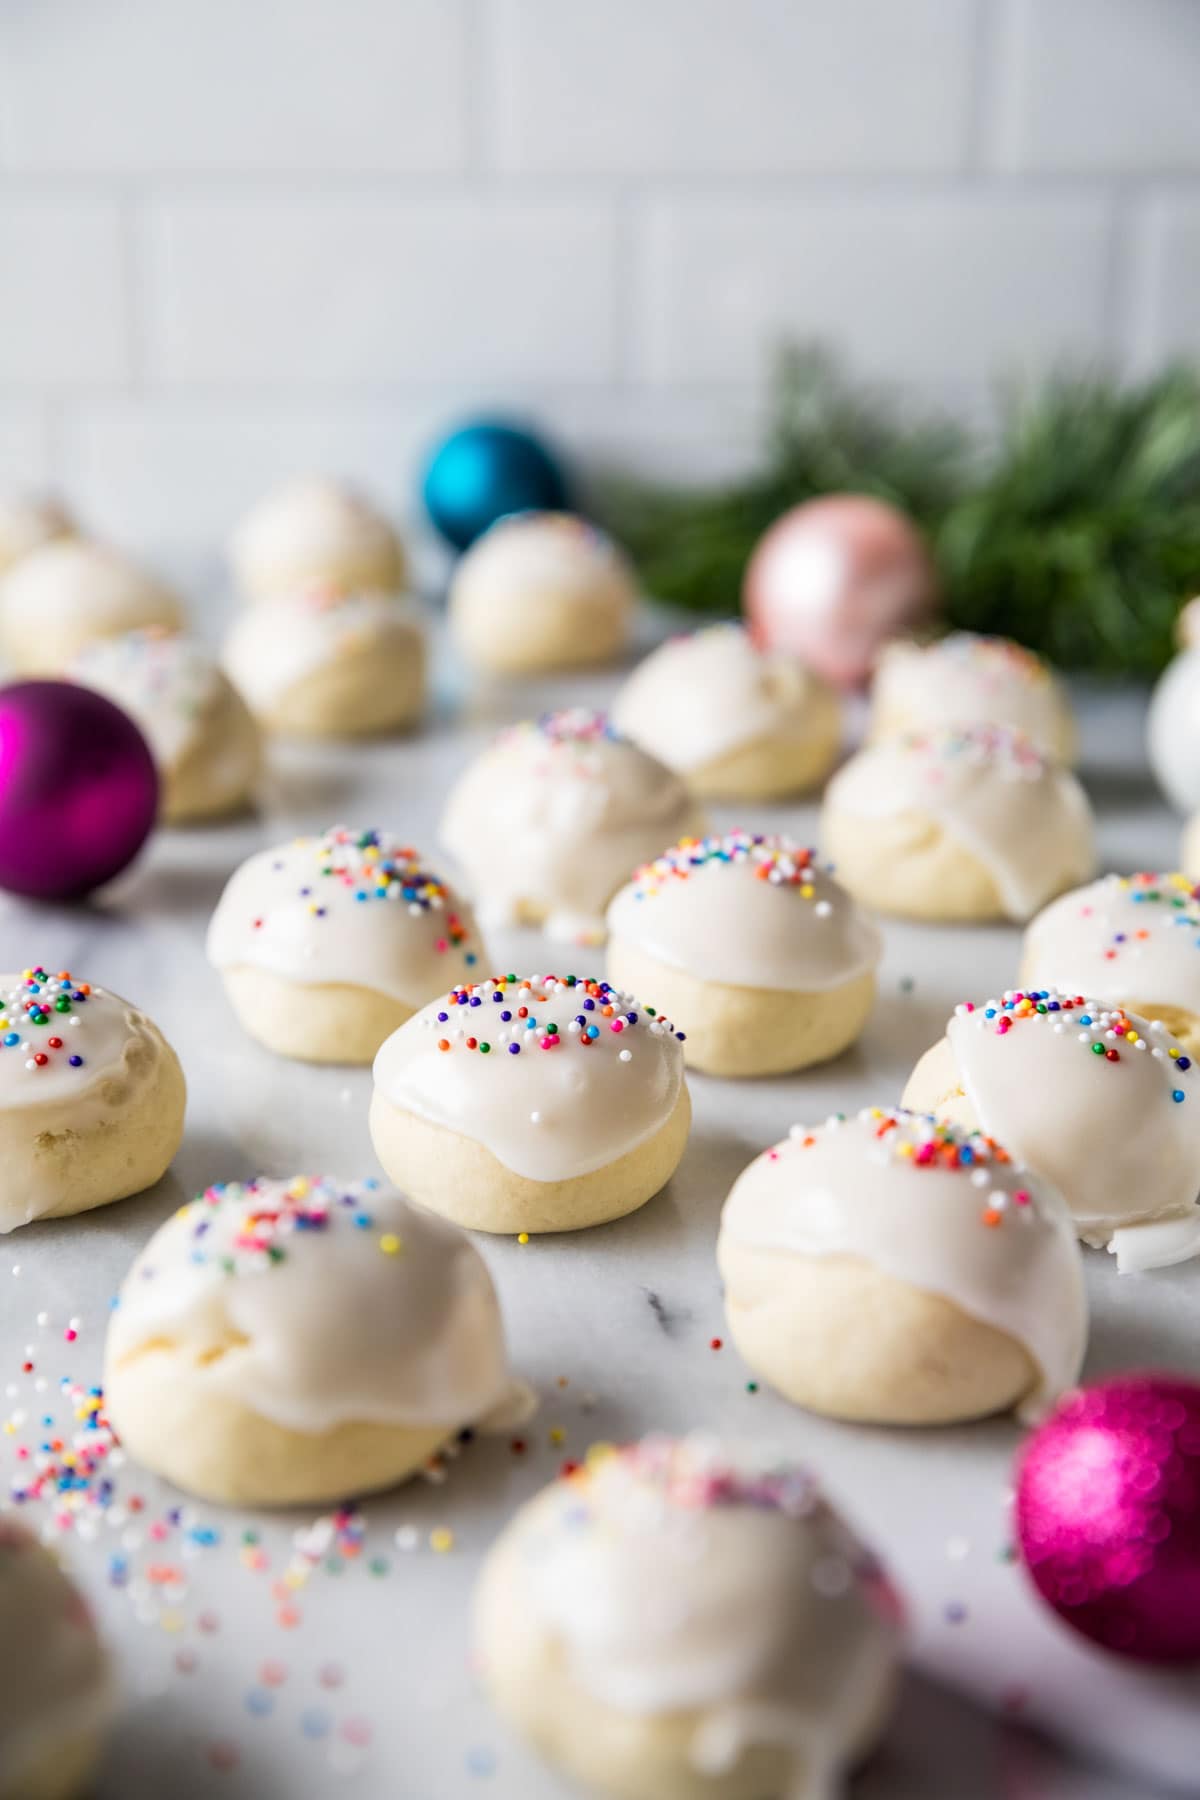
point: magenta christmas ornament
(1108, 1515)
(78, 790)
(834, 579)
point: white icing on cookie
(1025, 819)
(698, 698)
(63, 1039)
(55, 1682)
(84, 589)
(556, 1076)
(314, 529)
(555, 815)
(557, 556)
(335, 1303)
(1106, 1106)
(1131, 938)
(165, 682)
(686, 1576)
(967, 679)
(942, 1209)
(275, 645)
(354, 906)
(749, 910)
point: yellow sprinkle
(300, 1186)
(599, 1453)
(557, 1434)
(441, 1540)
(9, 1428)
(172, 1621)
(807, 891)
(390, 1244)
(522, 1237)
(1173, 1051)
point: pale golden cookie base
(541, 637)
(39, 647)
(380, 570)
(626, 1756)
(172, 1421)
(1189, 848)
(325, 1022)
(453, 1175)
(744, 1031)
(908, 865)
(218, 774)
(365, 693)
(839, 1337)
(772, 768)
(45, 1148)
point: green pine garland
(1077, 533)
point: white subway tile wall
(241, 237)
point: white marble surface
(614, 1328)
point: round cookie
(545, 1104)
(327, 944)
(56, 1686)
(753, 949)
(550, 820)
(1132, 941)
(685, 1620)
(27, 521)
(1101, 1102)
(292, 1342)
(737, 722)
(893, 1270)
(91, 1098)
(315, 531)
(541, 591)
(202, 735)
(70, 592)
(319, 663)
(957, 824)
(967, 679)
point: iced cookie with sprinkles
(1103, 1103)
(313, 529)
(555, 815)
(541, 591)
(736, 721)
(328, 944)
(321, 663)
(525, 1105)
(1132, 941)
(691, 1619)
(70, 592)
(91, 1098)
(757, 953)
(967, 679)
(957, 824)
(284, 1342)
(203, 737)
(897, 1270)
(57, 1694)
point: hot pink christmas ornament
(78, 790)
(834, 579)
(1108, 1515)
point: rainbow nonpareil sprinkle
(502, 1014)
(774, 859)
(33, 1014)
(1107, 1033)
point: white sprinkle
(625, 1056)
(535, 1118)
(823, 909)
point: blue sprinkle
(1177, 1095)
(1184, 1062)
(514, 1049)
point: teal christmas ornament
(485, 470)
